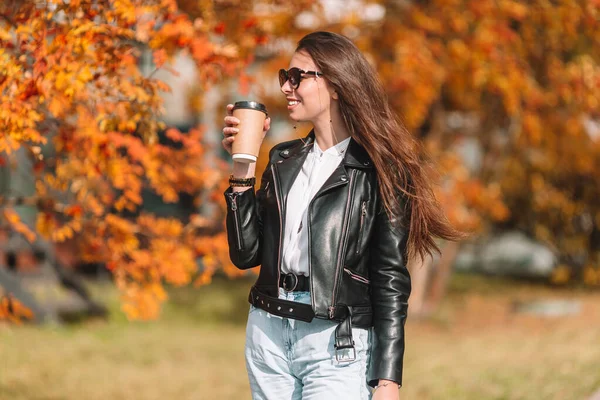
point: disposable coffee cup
(247, 141)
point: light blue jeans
(289, 359)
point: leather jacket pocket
(361, 226)
(357, 277)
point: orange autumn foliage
(70, 80)
(527, 75)
(13, 311)
(524, 77)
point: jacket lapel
(290, 164)
(339, 177)
(291, 161)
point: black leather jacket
(357, 259)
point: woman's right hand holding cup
(230, 129)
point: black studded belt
(283, 308)
(294, 283)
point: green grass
(475, 347)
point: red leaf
(249, 23)
(220, 28)
(262, 39)
(74, 211)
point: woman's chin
(296, 117)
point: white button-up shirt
(318, 166)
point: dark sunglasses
(295, 75)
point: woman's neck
(328, 133)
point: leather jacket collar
(292, 159)
(356, 156)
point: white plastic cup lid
(244, 158)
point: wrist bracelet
(380, 385)
(241, 182)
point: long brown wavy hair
(405, 183)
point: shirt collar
(337, 150)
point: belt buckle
(285, 285)
(345, 354)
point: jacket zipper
(342, 245)
(363, 213)
(236, 220)
(281, 220)
(356, 277)
(309, 238)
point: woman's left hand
(387, 392)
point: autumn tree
(524, 77)
(518, 80)
(74, 96)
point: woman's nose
(287, 87)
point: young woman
(336, 218)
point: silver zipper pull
(331, 311)
(233, 203)
(364, 208)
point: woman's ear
(334, 95)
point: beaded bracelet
(241, 182)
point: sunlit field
(475, 347)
